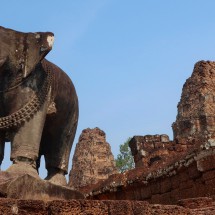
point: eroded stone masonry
(194, 127)
(151, 150)
(93, 159)
(195, 121)
(166, 172)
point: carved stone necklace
(34, 104)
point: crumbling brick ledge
(189, 177)
(93, 207)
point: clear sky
(128, 59)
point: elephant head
(21, 52)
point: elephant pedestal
(28, 187)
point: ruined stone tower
(93, 159)
(195, 121)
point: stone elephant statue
(38, 105)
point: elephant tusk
(50, 40)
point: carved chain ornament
(29, 109)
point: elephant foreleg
(26, 144)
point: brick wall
(190, 177)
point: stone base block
(29, 188)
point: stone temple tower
(93, 160)
(195, 121)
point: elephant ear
(23, 51)
(36, 47)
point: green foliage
(124, 160)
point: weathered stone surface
(180, 180)
(81, 207)
(93, 159)
(157, 151)
(196, 202)
(196, 110)
(149, 150)
(28, 187)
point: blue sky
(127, 59)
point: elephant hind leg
(56, 146)
(56, 176)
